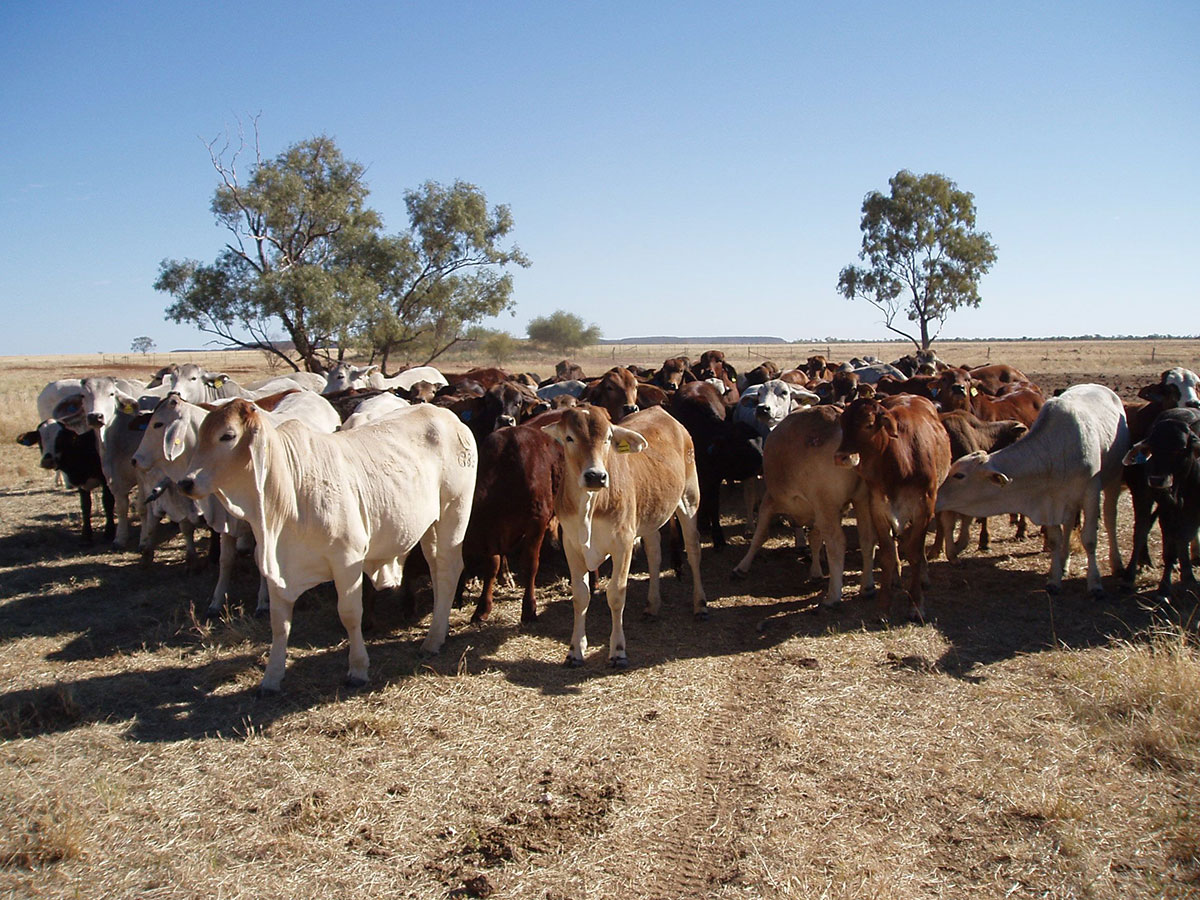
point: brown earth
(1013, 746)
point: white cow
(1070, 456)
(763, 406)
(342, 506)
(374, 408)
(166, 450)
(1176, 387)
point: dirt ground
(1015, 745)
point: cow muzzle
(48, 461)
(629, 409)
(595, 479)
(188, 485)
(95, 420)
(505, 422)
(846, 460)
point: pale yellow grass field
(1013, 747)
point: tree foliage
(562, 331)
(305, 252)
(924, 256)
(143, 344)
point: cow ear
(28, 439)
(554, 429)
(1136, 456)
(217, 381)
(889, 425)
(127, 404)
(626, 440)
(258, 459)
(173, 440)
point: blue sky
(672, 168)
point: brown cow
(804, 483)
(520, 472)
(992, 378)
(902, 452)
(616, 390)
(623, 482)
(674, 372)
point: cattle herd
(339, 476)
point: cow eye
(158, 424)
(569, 439)
(228, 436)
(959, 476)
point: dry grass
(1014, 746)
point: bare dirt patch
(1013, 746)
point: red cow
(902, 452)
(616, 390)
(991, 379)
(520, 471)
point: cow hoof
(212, 613)
(619, 662)
(1053, 589)
(1098, 594)
(701, 614)
(572, 662)
(737, 574)
(355, 683)
(868, 592)
(264, 613)
(268, 693)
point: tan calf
(621, 483)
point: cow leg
(224, 575)
(985, 536)
(147, 539)
(581, 595)
(532, 552)
(1170, 554)
(85, 513)
(866, 542)
(617, 583)
(1090, 535)
(483, 608)
(833, 536)
(816, 537)
(710, 510)
(751, 495)
(108, 501)
(766, 511)
(1112, 493)
(914, 555)
(1058, 540)
(686, 518)
(1142, 502)
(281, 626)
(349, 584)
(889, 562)
(121, 506)
(652, 544)
(1021, 523)
(192, 562)
(262, 606)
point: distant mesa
(668, 339)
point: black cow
(1171, 455)
(78, 458)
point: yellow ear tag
(974, 391)
(218, 383)
(623, 446)
(129, 408)
(176, 442)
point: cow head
(170, 433)
(46, 438)
(343, 376)
(1171, 449)
(616, 391)
(973, 487)
(102, 400)
(589, 438)
(867, 429)
(1176, 388)
(228, 442)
